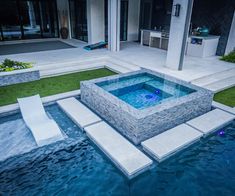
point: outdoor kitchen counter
(155, 38)
(202, 46)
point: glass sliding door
(78, 19)
(146, 14)
(28, 19)
(48, 19)
(123, 20)
(10, 20)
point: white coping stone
(78, 112)
(45, 100)
(211, 121)
(122, 153)
(164, 145)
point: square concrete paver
(211, 121)
(129, 159)
(164, 145)
(78, 112)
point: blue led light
(221, 132)
(157, 91)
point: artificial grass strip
(49, 86)
(226, 97)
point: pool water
(145, 90)
(77, 167)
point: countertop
(205, 37)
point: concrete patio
(209, 72)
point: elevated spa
(144, 103)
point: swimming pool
(75, 166)
(145, 103)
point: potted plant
(64, 32)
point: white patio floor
(131, 52)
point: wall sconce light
(177, 10)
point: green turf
(226, 97)
(49, 86)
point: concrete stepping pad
(164, 145)
(78, 112)
(129, 159)
(211, 121)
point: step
(171, 141)
(211, 121)
(69, 69)
(63, 65)
(223, 107)
(79, 113)
(124, 64)
(117, 68)
(221, 85)
(129, 159)
(81, 62)
(214, 78)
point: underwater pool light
(157, 91)
(221, 132)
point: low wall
(19, 76)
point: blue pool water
(145, 90)
(76, 167)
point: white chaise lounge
(44, 129)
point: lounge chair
(44, 129)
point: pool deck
(209, 72)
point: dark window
(78, 19)
(22, 19)
(123, 20)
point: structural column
(95, 21)
(114, 25)
(179, 30)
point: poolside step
(121, 63)
(170, 142)
(223, 107)
(78, 112)
(221, 85)
(214, 78)
(70, 68)
(117, 68)
(122, 153)
(211, 121)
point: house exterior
(115, 21)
